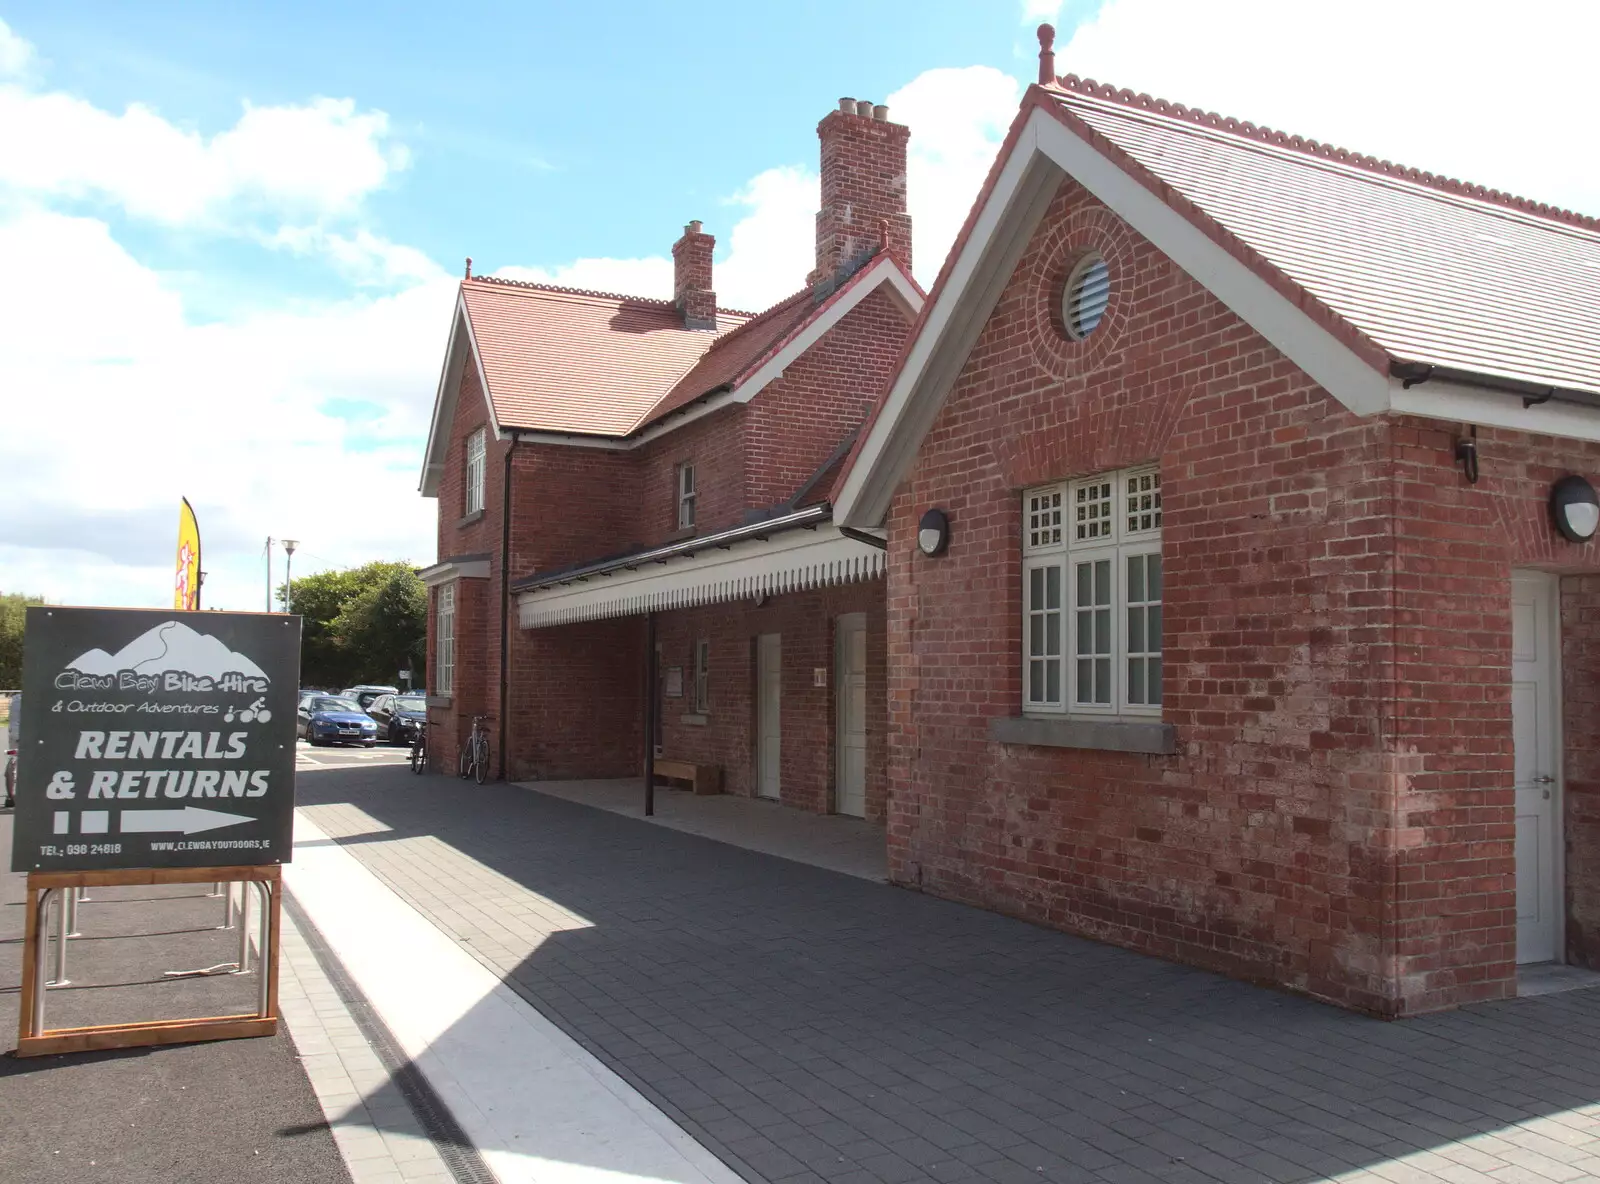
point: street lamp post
(288, 574)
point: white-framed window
(477, 445)
(702, 676)
(1091, 595)
(444, 650)
(686, 494)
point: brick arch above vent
(1085, 229)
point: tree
(386, 624)
(13, 606)
(360, 625)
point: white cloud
(958, 117)
(130, 406)
(772, 248)
(1040, 10)
(650, 276)
(1465, 88)
(320, 159)
(16, 54)
(364, 258)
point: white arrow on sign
(190, 820)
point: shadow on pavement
(806, 1025)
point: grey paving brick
(811, 1026)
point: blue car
(330, 719)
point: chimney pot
(881, 113)
(693, 227)
(864, 108)
(848, 106)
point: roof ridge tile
(560, 289)
(1315, 148)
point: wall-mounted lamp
(933, 533)
(1575, 509)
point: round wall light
(1575, 509)
(933, 533)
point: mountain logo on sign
(171, 657)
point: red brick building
(1253, 641)
(610, 469)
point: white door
(1534, 703)
(769, 738)
(850, 672)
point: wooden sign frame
(44, 1041)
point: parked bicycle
(419, 748)
(474, 761)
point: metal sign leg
(60, 979)
(265, 952)
(244, 928)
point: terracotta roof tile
(564, 360)
(733, 354)
(1429, 269)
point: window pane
(1155, 577)
(1155, 680)
(1053, 670)
(1035, 587)
(1085, 584)
(1052, 587)
(1036, 633)
(1035, 682)
(1135, 578)
(1085, 680)
(1136, 680)
(1102, 582)
(1102, 639)
(1154, 613)
(1136, 630)
(1102, 678)
(1052, 634)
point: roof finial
(883, 233)
(1047, 54)
(469, 267)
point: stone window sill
(695, 719)
(469, 519)
(1107, 735)
(438, 700)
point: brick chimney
(863, 187)
(691, 278)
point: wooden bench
(704, 779)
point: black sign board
(155, 739)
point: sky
(230, 236)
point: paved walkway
(849, 845)
(809, 1026)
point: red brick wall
(576, 701)
(715, 445)
(1337, 818)
(806, 622)
(795, 424)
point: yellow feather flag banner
(186, 585)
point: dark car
(398, 716)
(331, 719)
(366, 693)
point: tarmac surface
(228, 1110)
